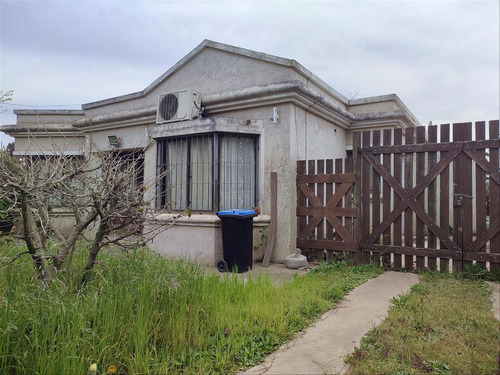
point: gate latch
(458, 199)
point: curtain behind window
(177, 161)
(237, 172)
(201, 167)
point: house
(223, 118)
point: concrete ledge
(198, 238)
(206, 220)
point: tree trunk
(96, 245)
(32, 236)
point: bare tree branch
(104, 191)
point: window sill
(207, 220)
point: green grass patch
(443, 326)
(145, 314)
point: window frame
(162, 202)
(42, 165)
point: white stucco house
(223, 118)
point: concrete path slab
(322, 347)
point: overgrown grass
(148, 315)
(443, 326)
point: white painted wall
(50, 144)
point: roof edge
(48, 112)
(19, 129)
(384, 98)
(293, 64)
(229, 97)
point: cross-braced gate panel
(432, 204)
(325, 208)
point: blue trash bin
(237, 240)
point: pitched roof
(290, 63)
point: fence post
(356, 165)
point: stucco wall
(298, 134)
(199, 238)
(215, 71)
(367, 106)
(130, 137)
(350, 132)
(44, 118)
(316, 138)
(50, 144)
(273, 156)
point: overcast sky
(440, 58)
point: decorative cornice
(117, 120)
(49, 112)
(385, 98)
(290, 91)
(257, 96)
(47, 153)
(294, 92)
(399, 117)
(52, 130)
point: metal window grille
(207, 172)
(50, 168)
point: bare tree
(104, 192)
(5, 96)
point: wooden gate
(422, 197)
(431, 204)
(326, 207)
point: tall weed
(145, 314)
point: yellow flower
(111, 370)
(93, 369)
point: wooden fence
(425, 197)
(326, 206)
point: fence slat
(420, 173)
(444, 198)
(467, 191)
(301, 198)
(320, 191)
(431, 204)
(311, 170)
(408, 178)
(348, 167)
(376, 187)
(458, 134)
(480, 200)
(356, 200)
(494, 194)
(329, 193)
(398, 170)
(386, 194)
(366, 168)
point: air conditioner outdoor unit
(178, 106)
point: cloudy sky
(441, 58)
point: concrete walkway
(322, 347)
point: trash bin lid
(242, 214)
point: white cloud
(441, 58)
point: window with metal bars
(47, 169)
(207, 172)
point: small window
(51, 168)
